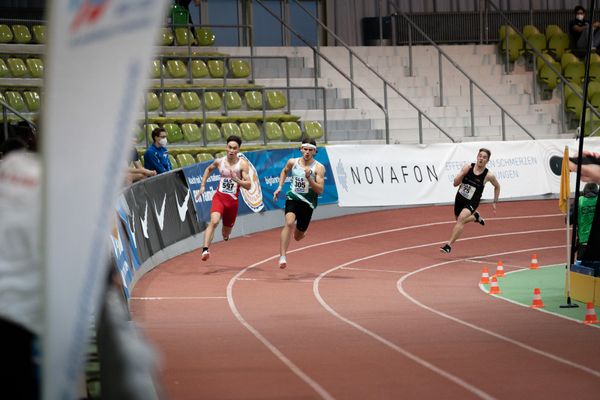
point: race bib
(299, 184)
(227, 186)
(466, 191)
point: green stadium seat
(170, 101)
(32, 100)
(21, 34)
(174, 133)
(156, 69)
(221, 154)
(273, 130)
(4, 72)
(313, 129)
(185, 159)
(15, 100)
(213, 134)
(558, 44)
(593, 88)
(212, 101)
(549, 80)
(573, 106)
(173, 161)
(529, 30)
(184, 36)
(595, 101)
(502, 31)
(239, 68)
(515, 47)
(39, 34)
(574, 72)
(199, 69)
(166, 37)
(177, 69)
(250, 131)
(594, 72)
(568, 58)
(541, 63)
(230, 128)
(538, 42)
(253, 100)
(148, 129)
(216, 68)
(592, 123)
(202, 157)
(594, 58)
(568, 91)
(552, 30)
(17, 67)
(152, 102)
(276, 99)
(36, 67)
(191, 132)
(6, 35)
(232, 100)
(190, 101)
(205, 37)
(291, 131)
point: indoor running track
(368, 308)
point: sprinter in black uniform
(472, 179)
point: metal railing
(6, 110)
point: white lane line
(178, 298)
(492, 263)
(400, 287)
(375, 270)
(293, 367)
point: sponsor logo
(144, 222)
(183, 208)
(253, 197)
(131, 223)
(341, 175)
(161, 215)
(86, 12)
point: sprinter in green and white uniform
(307, 184)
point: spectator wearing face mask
(578, 31)
(156, 157)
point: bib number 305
(300, 185)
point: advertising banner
(96, 67)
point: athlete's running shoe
(478, 218)
(205, 255)
(225, 238)
(446, 248)
(282, 262)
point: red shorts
(226, 206)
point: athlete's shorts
(302, 211)
(226, 206)
(460, 202)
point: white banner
(97, 62)
(422, 174)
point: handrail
(386, 83)
(349, 79)
(471, 81)
(5, 106)
(548, 64)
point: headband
(308, 146)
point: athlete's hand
(307, 172)
(589, 172)
(275, 193)
(202, 188)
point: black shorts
(460, 202)
(302, 211)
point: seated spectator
(578, 32)
(136, 171)
(156, 157)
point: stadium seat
(529, 30)
(36, 67)
(39, 34)
(594, 58)
(190, 101)
(291, 131)
(205, 36)
(230, 128)
(199, 69)
(558, 44)
(250, 131)
(6, 35)
(166, 37)
(148, 129)
(212, 101)
(152, 102)
(552, 30)
(221, 154)
(4, 72)
(174, 133)
(17, 67)
(502, 31)
(515, 47)
(273, 130)
(541, 63)
(177, 69)
(574, 72)
(568, 91)
(313, 129)
(15, 100)
(568, 58)
(253, 100)
(549, 80)
(276, 99)
(593, 88)
(21, 34)
(216, 68)
(185, 159)
(594, 72)
(170, 101)
(239, 68)
(535, 41)
(156, 70)
(595, 101)
(202, 157)
(184, 36)
(173, 161)
(213, 134)
(232, 100)
(191, 132)
(574, 106)
(32, 100)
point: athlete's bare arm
(459, 177)
(284, 173)
(207, 172)
(318, 183)
(245, 181)
(490, 177)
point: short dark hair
(489, 153)
(234, 138)
(590, 189)
(156, 132)
(578, 8)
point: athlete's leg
(229, 217)
(463, 218)
(286, 232)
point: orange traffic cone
(494, 288)
(590, 314)
(500, 269)
(534, 262)
(537, 299)
(485, 276)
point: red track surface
(367, 308)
